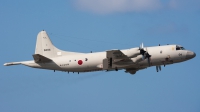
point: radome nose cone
(190, 55)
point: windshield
(179, 47)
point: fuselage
(160, 55)
(47, 56)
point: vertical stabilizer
(45, 47)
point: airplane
(47, 56)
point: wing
(116, 54)
(115, 59)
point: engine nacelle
(134, 52)
(137, 59)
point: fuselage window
(86, 59)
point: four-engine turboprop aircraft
(47, 56)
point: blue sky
(99, 25)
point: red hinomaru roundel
(80, 62)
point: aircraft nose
(190, 55)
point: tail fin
(45, 47)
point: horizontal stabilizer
(12, 63)
(40, 59)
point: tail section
(45, 47)
(44, 51)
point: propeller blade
(145, 54)
(143, 58)
(142, 46)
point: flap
(40, 59)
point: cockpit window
(179, 47)
(182, 48)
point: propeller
(145, 53)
